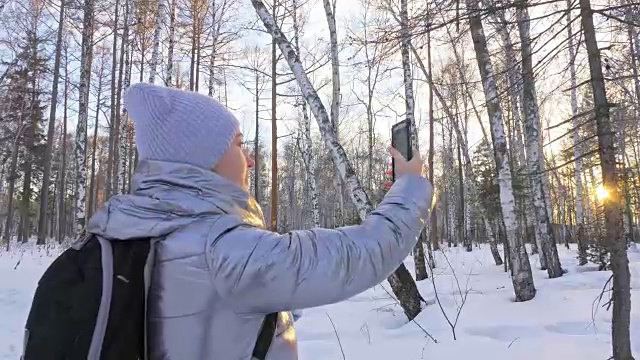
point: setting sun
(601, 192)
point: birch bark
(418, 251)
(172, 41)
(307, 152)
(156, 41)
(535, 164)
(521, 268)
(86, 61)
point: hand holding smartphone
(403, 160)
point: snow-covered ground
(564, 321)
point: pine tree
(22, 112)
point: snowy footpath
(566, 320)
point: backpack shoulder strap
(148, 272)
(265, 337)
(102, 318)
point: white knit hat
(179, 126)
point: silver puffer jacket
(218, 271)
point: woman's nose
(250, 161)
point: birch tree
(172, 41)
(418, 251)
(86, 61)
(307, 152)
(124, 118)
(102, 54)
(48, 155)
(515, 96)
(534, 157)
(112, 112)
(155, 50)
(522, 277)
(63, 154)
(330, 14)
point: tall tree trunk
(48, 153)
(492, 242)
(131, 149)
(535, 164)
(156, 41)
(310, 165)
(577, 147)
(330, 14)
(633, 34)
(418, 251)
(124, 64)
(465, 218)
(54, 212)
(112, 117)
(371, 83)
(31, 124)
(198, 56)
(192, 63)
(274, 131)
(62, 215)
(83, 113)
(92, 185)
(122, 165)
(628, 216)
(522, 278)
(634, 52)
(256, 154)
(172, 40)
(401, 282)
(13, 167)
(433, 227)
(452, 204)
(518, 162)
(24, 227)
(307, 152)
(621, 294)
(214, 36)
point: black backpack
(91, 306)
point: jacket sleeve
(259, 271)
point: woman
(218, 272)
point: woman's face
(235, 164)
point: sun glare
(601, 193)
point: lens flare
(602, 193)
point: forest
(527, 113)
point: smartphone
(401, 141)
